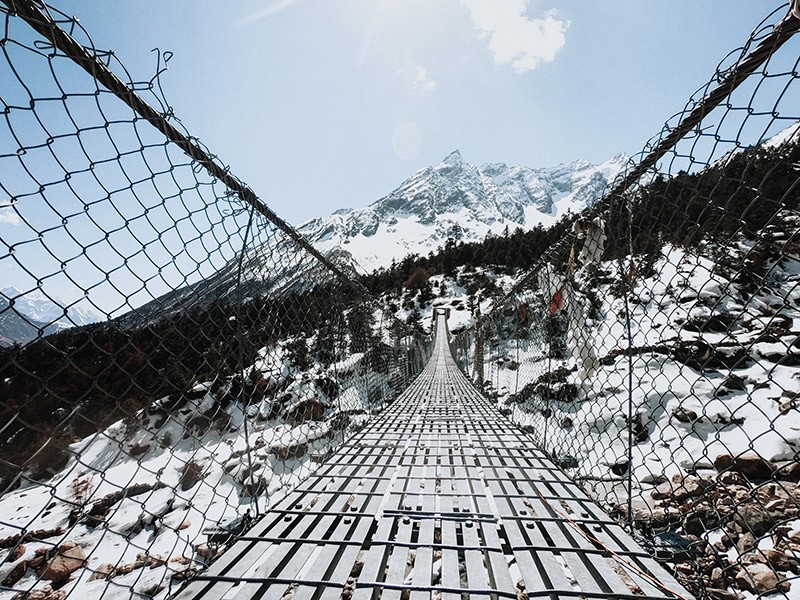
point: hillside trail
(439, 497)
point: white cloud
(417, 77)
(265, 13)
(8, 215)
(422, 81)
(513, 37)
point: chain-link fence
(654, 351)
(174, 358)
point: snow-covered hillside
(706, 391)
(125, 518)
(457, 200)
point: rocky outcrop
(756, 550)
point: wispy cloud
(418, 78)
(513, 37)
(265, 13)
(8, 215)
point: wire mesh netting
(173, 361)
(175, 358)
(654, 351)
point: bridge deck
(440, 497)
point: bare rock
(690, 486)
(777, 505)
(721, 594)
(662, 492)
(206, 551)
(780, 561)
(138, 449)
(730, 478)
(68, 559)
(747, 542)
(789, 471)
(16, 553)
(760, 579)
(45, 593)
(310, 410)
(39, 534)
(185, 574)
(15, 575)
(684, 415)
(286, 451)
(750, 465)
(753, 519)
(104, 571)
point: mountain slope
(455, 199)
(23, 314)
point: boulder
(689, 487)
(731, 478)
(68, 559)
(760, 579)
(16, 553)
(104, 571)
(309, 410)
(750, 465)
(789, 471)
(779, 561)
(753, 519)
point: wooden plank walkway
(441, 498)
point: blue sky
(322, 104)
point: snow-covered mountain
(455, 199)
(450, 200)
(23, 314)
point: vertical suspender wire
(240, 345)
(627, 281)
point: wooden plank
(539, 569)
(398, 559)
(422, 575)
(499, 574)
(335, 561)
(285, 561)
(375, 559)
(450, 562)
(477, 574)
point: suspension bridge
(439, 497)
(653, 344)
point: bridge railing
(654, 351)
(174, 356)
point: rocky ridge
(457, 200)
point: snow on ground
(707, 388)
(137, 496)
(462, 296)
(713, 366)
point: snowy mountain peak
(455, 199)
(37, 306)
(453, 159)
